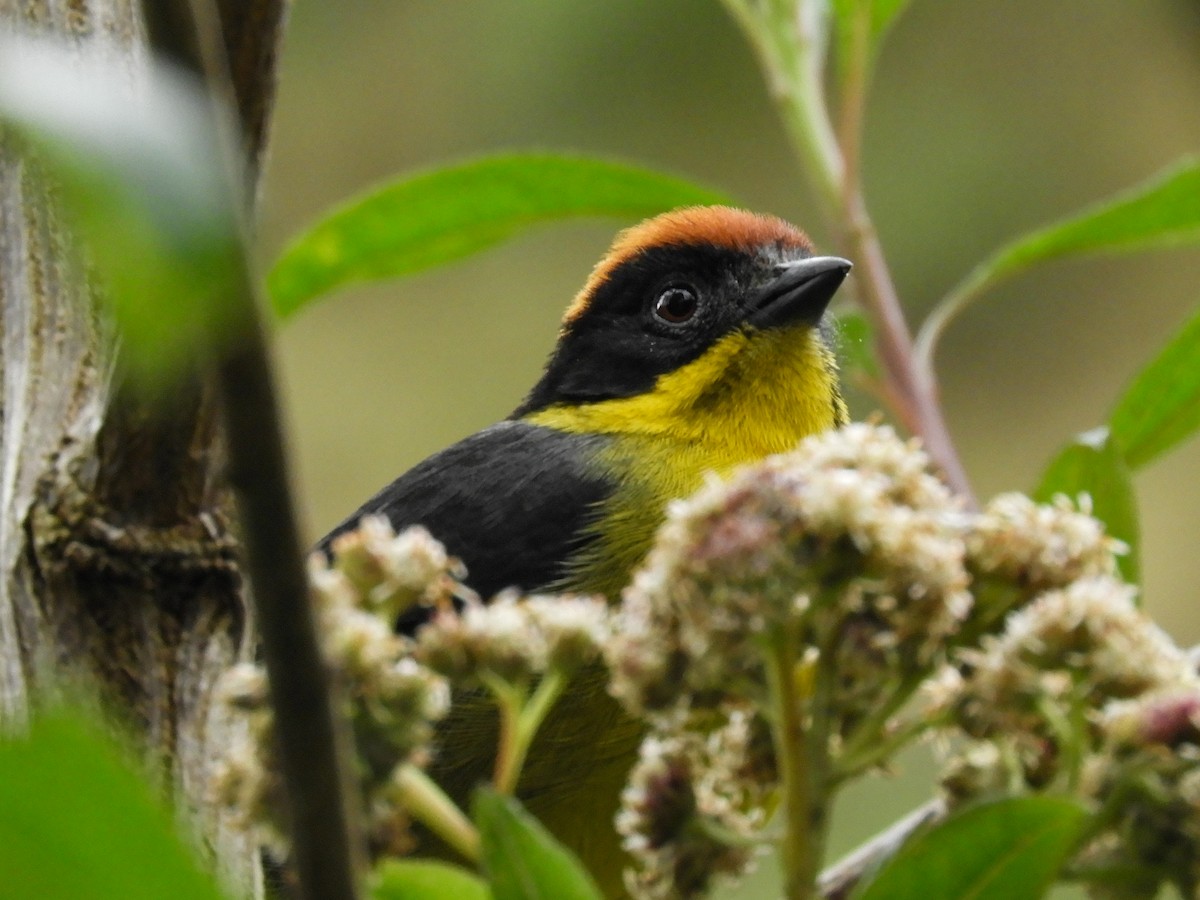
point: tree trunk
(118, 570)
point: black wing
(512, 502)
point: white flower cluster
(849, 533)
(386, 572)
(514, 638)
(247, 780)
(694, 806)
(1081, 692)
(392, 700)
(851, 552)
(396, 688)
(1040, 546)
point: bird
(698, 343)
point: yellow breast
(751, 394)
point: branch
(312, 745)
(236, 42)
(839, 880)
(312, 748)
(252, 32)
(789, 46)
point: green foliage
(443, 215)
(994, 851)
(76, 822)
(1159, 409)
(1163, 211)
(422, 879)
(522, 860)
(141, 175)
(1093, 464)
(1162, 405)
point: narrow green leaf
(423, 879)
(75, 822)
(522, 860)
(139, 170)
(993, 851)
(1162, 211)
(1162, 405)
(442, 215)
(1092, 464)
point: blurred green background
(985, 120)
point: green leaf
(76, 822)
(522, 860)
(442, 215)
(422, 879)
(139, 170)
(1162, 405)
(1163, 211)
(1093, 464)
(992, 851)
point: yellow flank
(751, 394)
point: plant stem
(786, 36)
(852, 95)
(549, 689)
(428, 804)
(783, 35)
(854, 764)
(803, 841)
(840, 879)
(946, 311)
(917, 403)
(867, 745)
(510, 700)
(312, 743)
(520, 718)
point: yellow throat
(751, 394)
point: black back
(512, 501)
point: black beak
(797, 292)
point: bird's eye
(676, 304)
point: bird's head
(702, 323)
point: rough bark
(118, 569)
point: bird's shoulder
(513, 501)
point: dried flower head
(247, 779)
(573, 628)
(513, 638)
(390, 572)
(391, 700)
(1147, 773)
(1036, 689)
(1087, 640)
(693, 808)
(1038, 546)
(849, 534)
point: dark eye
(676, 304)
